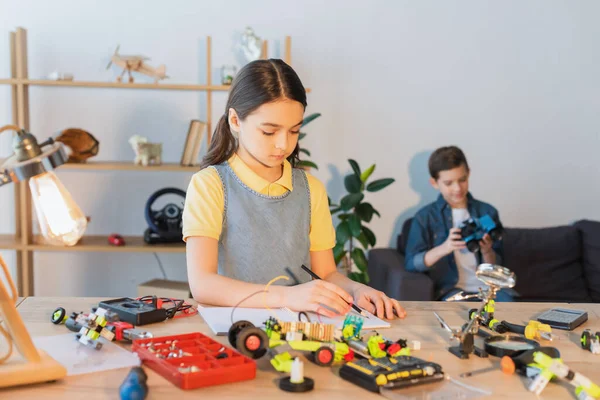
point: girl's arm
(374, 301)
(208, 287)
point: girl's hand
(319, 296)
(377, 303)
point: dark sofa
(558, 264)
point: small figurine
(136, 64)
(251, 45)
(146, 153)
(83, 144)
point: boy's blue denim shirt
(429, 228)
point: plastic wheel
(472, 311)
(324, 356)
(235, 330)
(58, 316)
(252, 342)
(586, 340)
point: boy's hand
(485, 244)
(454, 241)
(377, 303)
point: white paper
(80, 359)
(219, 318)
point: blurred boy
(435, 244)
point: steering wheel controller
(164, 225)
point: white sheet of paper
(80, 359)
(219, 318)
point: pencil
(354, 306)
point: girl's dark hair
(446, 158)
(257, 83)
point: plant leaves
(304, 163)
(339, 252)
(369, 235)
(376, 212)
(351, 200)
(379, 184)
(357, 277)
(343, 217)
(310, 118)
(342, 232)
(302, 150)
(365, 211)
(355, 167)
(355, 225)
(367, 173)
(335, 210)
(301, 136)
(363, 240)
(352, 184)
(358, 256)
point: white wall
(514, 83)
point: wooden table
(420, 324)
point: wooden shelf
(127, 166)
(99, 243)
(10, 242)
(117, 85)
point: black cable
(161, 266)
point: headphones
(164, 225)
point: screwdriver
(534, 330)
(506, 365)
(134, 386)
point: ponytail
(222, 145)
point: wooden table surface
(420, 324)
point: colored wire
(267, 289)
(243, 300)
(179, 310)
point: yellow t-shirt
(204, 203)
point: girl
(249, 214)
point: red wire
(188, 309)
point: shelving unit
(24, 242)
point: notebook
(219, 319)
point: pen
(354, 306)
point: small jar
(227, 74)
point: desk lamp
(61, 220)
(61, 223)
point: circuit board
(391, 372)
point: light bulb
(61, 221)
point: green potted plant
(353, 237)
(307, 164)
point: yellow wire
(267, 288)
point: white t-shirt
(465, 260)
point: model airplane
(136, 64)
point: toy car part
(474, 229)
(297, 382)
(94, 327)
(391, 372)
(590, 341)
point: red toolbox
(194, 360)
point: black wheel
(473, 246)
(58, 316)
(235, 330)
(586, 339)
(324, 356)
(252, 342)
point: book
(193, 142)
